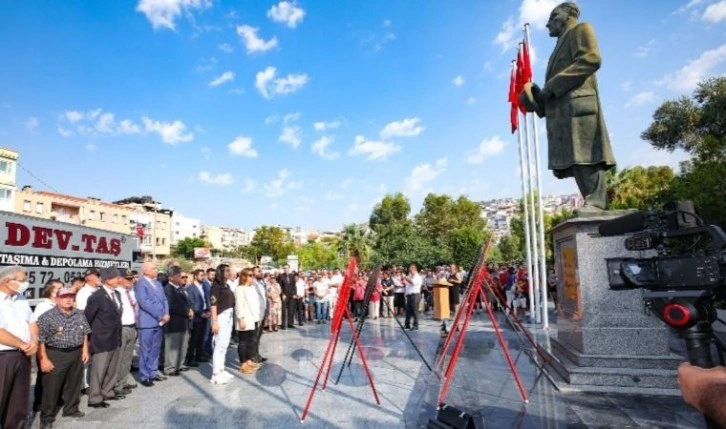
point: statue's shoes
(588, 210)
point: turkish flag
(527, 70)
(520, 78)
(513, 117)
(140, 230)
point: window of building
(26, 206)
(101, 216)
(5, 167)
(163, 241)
(6, 195)
(39, 208)
(157, 241)
(92, 215)
(123, 219)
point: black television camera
(684, 278)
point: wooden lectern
(441, 300)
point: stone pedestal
(606, 340)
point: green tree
(466, 243)
(638, 187)
(391, 212)
(185, 247)
(357, 240)
(698, 126)
(318, 255)
(270, 241)
(509, 248)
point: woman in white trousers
(222, 307)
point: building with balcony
(8, 165)
(184, 227)
(225, 238)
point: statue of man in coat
(577, 138)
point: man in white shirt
(321, 300)
(413, 295)
(337, 279)
(128, 334)
(92, 283)
(18, 342)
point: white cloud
(253, 43)
(290, 117)
(225, 77)
(627, 85)
(170, 132)
(320, 147)
(32, 123)
(423, 174)
(644, 50)
(128, 127)
(222, 179)
(263, 79)
(94, 122)
(279, 186)
(206, 152)
(272, 119)
(287, 13)
(242, 146)
(640, 99)
(163, 13)
(488, 66)
(248, 185)
(306, 200)
(408, 127)
(715, 12)
(73, 116)
(487, 148)
(534, 12)
(458, 80)
(206, 64)
(225, 47)
(687, 78)
(323, 126)
(373, 150)
(470, 100)
(90, 147)
(291, 136)
(268, 86)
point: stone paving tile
(275, 396)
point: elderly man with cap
(153, 315)
(92, 279)
(129, 318)
(103, 313)
(63, 351)
(18, 342)
(176, 335)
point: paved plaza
(275, 396)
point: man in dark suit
(286, 280)
(195, 292)
(176, 332)
(153, 315)
(103, 312)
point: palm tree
(356, 240)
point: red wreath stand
(340, 313)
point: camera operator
(705, 390)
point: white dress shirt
(128, 317)
(413, 285)
(300, 287)
(43, 306)
(15, 317)
(83, 295)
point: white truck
(57, 250)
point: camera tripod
(691, 314)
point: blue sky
(307, 113)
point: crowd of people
(83, 335)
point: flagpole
(534, 279)
(540, 214)
(525, 179)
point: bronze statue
(577, 138)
